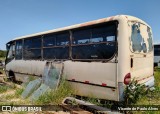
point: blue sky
(23, 17)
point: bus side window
(32, 48)
(62, 39)
(81, 36)
(11, 53)
(36, 42)
(156, 50)
(49, 40)
(56, 46)
(18, 49)
(97, 42)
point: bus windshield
(141, 38)
(10, 52)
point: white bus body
(87, 67)
(157, 55)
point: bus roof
(117, 17)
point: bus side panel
(90, 77)
(95, 91)
(21, 68)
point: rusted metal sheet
(84, 107)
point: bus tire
(12, 76)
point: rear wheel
(12, 76)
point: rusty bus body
(116, 50)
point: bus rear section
(141, 56)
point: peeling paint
(141, 38)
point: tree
(2, 53)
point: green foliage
(152, 97)
(157, 77)
(10, 96)
(56, 96)
(93, 100)
(3, 88)
(18, 92)
(3, 53)
(133, 92)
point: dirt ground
(9, 97)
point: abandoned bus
(97, 58)
(156, 55)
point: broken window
(49, 40)
(56, 53)
(32, 54)
(32, 48)
(56, 46)
(81, 36)
(34, 42)
(19, 49)
(141, 38)
(95, 42)
(62, 39)
(94, 51)
(11, 51)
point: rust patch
(101, 20)
(87, 23)
(111, 18)
(96, 21)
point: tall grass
(157, 77)
(55, 97)
(152, 97)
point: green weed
(133, 92)
(3, 88)
(56, 96)
(11, 96)
(18, 92)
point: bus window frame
(57, 46)
(11, 43)
(28, 49)
(70, 45)
(116, 43)
(19, 49)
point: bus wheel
(12, 76)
